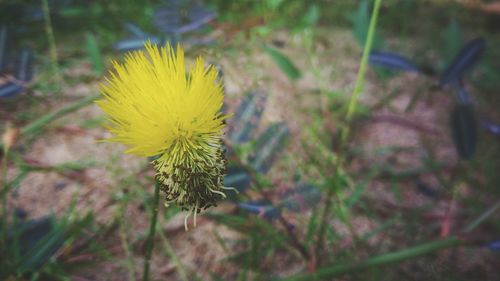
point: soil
(97, 187)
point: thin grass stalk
(52, 41)
(360, 79)
(169, 251)
(485, 215)
(378, 261)
(37, 125)
(152, 231)
(344, 132)
(4, 186)
(123, 232)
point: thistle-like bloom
(157, 108)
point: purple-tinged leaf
(494, 246)
(135, 43)
(392, 61)
(268, 145)
(24, 69)
(247, 117)
(260, 208)
(193, 25)
(10, 90)
(198, 17)
(135, 30)
(463, 95)
(463, 62)
(170, 20)
(491, 127)
(464, 130)
(167, 19)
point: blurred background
(324, 184)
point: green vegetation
(363, 142)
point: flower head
(158, 108)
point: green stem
(4, 186)
(152, 230)
(360, 79)
(9, 185)
(377, 261)
(475, 223)
(51, 39)
(344, 132)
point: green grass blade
(94, 54)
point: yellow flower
(157, 108)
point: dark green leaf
(360, 20)
(310, 18)
(284, 63)
(464, 130)
(31, 244)
(453, 41)
(3, 47)
(94, 54)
